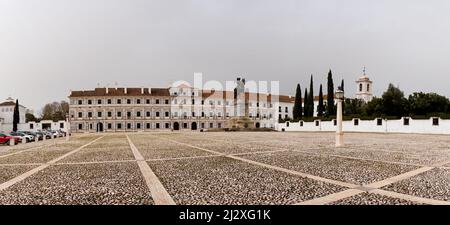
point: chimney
(126, 90)
(142, 91)
(150, 91)
(107, 90)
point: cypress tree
(16, 116)
(343, 102)
(297, 112)
(311, 97)
(306, 104)
(330, 95)
(320, 107)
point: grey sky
(48, 47)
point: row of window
(7, 109)
(157, 102)
(166, 114)
(128, 126)
(406, 122)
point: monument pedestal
(241, 123)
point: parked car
(42, 135)
(6, 139)
(34, 134)
(28, 138)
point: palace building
(176, 108)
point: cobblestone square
(236, 168)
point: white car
(21, 135)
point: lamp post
(67, 127)
(339, 132)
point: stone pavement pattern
(267, 168)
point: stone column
(339, 132)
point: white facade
(404, 125)
(364, 88)
(7, 114)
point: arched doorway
(258, 125)
(194, 126)
(176, 126)
(99, 127)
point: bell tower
(364, 87)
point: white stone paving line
(25, 175)
(159, 193)
(317, 178)
(354, 189)
(332, 197)
(411, 198)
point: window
(109, 114)
(80, 102)
(31, 126)
(119, 126)
(203, 102)
(138, 114)
(80, 126)
(360, 87)
(119, 101)
(317, 123)
(80, 115)
(203, 114)
(157, 126)
(128, 101)
(138, 101)
(166, 114)
(167, 125)
(89, 102)
(157, 114)
(193, 114)
(301, 123)
(435, 121)
(138, 125)
(286, 110)
(99, 102)
(157, 101)
(109, 126)
(335, 122)
(128, 125)
(185, 126)
(109, 101)
(287, 124)
(128, 114)
(202, 125)
(148, 114)
(368, 87)
(148, 126)
(356, 122)
(379, 122)
(99, 114)
(119, 114)
(219, 125)
(167, 101)
(406, 121)
(147, 101)
(211, 125)
(90, 114)
(193, 101)
(279, 109)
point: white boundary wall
(422, 126)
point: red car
(5, 139)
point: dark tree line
(304, 107)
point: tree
(306, 104)
(374, 107)
(330, 95)
(311, 98)
(320, 107)
(16, 116)
(428, 103)
(394, 102)
(298, 108)
(55, 111)
(355, 107)
(30, 118)
(343, 103)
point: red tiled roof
(165, 92)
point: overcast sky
(49, 47)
